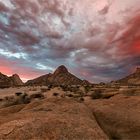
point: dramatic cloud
(98, 40)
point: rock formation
(118, 116)
(133, 78)
(60, 77)
(16, 80)
(6, 81)
(49, 119)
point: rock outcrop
(133, 78)
(118, 116)
(16, 80)
(60, 77)
(6, 81)
(50, 119)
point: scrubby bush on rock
(15, 100)
(22, 98)
(55, 94)
(37, 96)
(97, 94)
(44, 90)
(18, 93)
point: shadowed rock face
(61, 69)
(60, 77)
(16, 80)
(131, 79)
(118, 116)
(50, 119)
(6, 81)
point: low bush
(18, 93)
(129, 92)
(15, 100)
(44, 90)
(81, 99)
(97, 94)
(55, 94)
(70, 95)
(37, 95)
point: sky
(97, 40)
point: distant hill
(61, 76)
(13, 80)
(133, 78)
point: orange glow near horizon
(137, 47)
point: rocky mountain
(133, 78)
(6, 81)
(16, 80)
(61, 76)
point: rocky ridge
(133, 78)
(61, 76)
(13, 80)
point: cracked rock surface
(118, 116)
(50, 119)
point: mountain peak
(16, 79)
(61, 76)
(61, 69)
(15, 75)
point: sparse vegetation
(87, 88)
(37, 96)
(18, 93)
(33, 89)
(97, 94)
(15, 100)
(55, 94)
(81, 99)
(44, 90)
(70, 95)
(129, 92)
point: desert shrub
(63, 95)
(15, 100)
(129, 92)
(33, 89)
(87, 88)
(79, 93)
(66, 88)
(108, 95)
(76, 96)
(81, 99)
(8, 101)
(44, 90)
(8, 98)
(37, 95)
(23, 99)
(70, 95)
(18, 93)
(55, 94)
(97, 94)
(50, 86)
